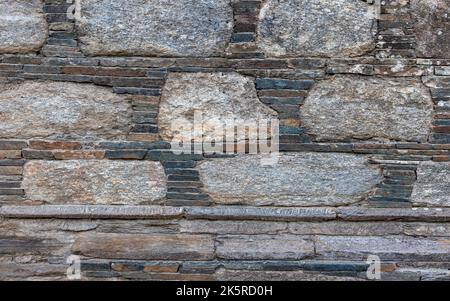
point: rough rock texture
(155, 27)
(264, 247)
(94, 182)
(145, 247)
(316, 28)
(433, 185)
(346, 107)
(432, 27)
(222, 99)
(387, 248)
(55, 109)
(303, 179)
(23, 27)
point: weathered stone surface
(316, 28)
(145, 246)
(139, 226)
(23, 27)
(44, 227)
(155, 27)
(231, 227)
(387, 248)
(29, 245)
(380, 228)
(56, 109)
(94, 182)
(40, 271)
(432, 28)
(264, 247)
(302, 179)
(394, 214)
(91, 212)
(432, 187)
(348, 107)
(345, 228)
(222, 99)
(258, 213)
(240, 275)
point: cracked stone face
(316, 28)
(222, 99)
(23, 27)
(61, 110)
(155, 27)
(353, 108)
(94, 182)
(432, 27)
(432, 187)
(301, 179)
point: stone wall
(361, 90)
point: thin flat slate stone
(394, 214)
(145, 246)
(253, 247)
(386, 247)
(264, 214)
(92, 212)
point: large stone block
(145, 246)
(264, 247)
(56, 109)
(432, 27)
(23, 27)
(347, 108)
(387, 248)
(433, 185)
(316, 28)
(94, 182)
(155, 27)
(302, 179)
(222, 100)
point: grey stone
(231, 227)
(145, 246)
(155, 27)
(36, 271)
(241, 275)
(29, 245)
(316, 28)
(432, 28)
(345, 228)
(56, 109)
(387, 248)
(264, 247)
(301, 179)
(43, 227)
(94, 182)
(349, 107)
(139, 226)
(394, 214)
(23, 27)
(258, 213)
(222, 100)
(91, 212)
(432, 187)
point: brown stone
(432, 27)
(78, 155)
(10, 154)
(145, 247)
(49, 145)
